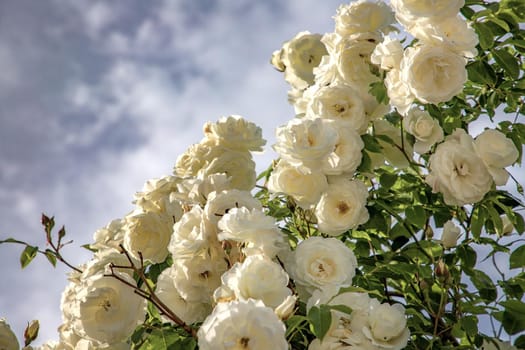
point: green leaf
(416, 216)
(28, 255)
(467, 255)
(519, 223)
(507, 62)
(387, 180)
(371, 144)
(517, 258)
(378, 90)
(51, 257)
(520, 342)
(366, 163)
(513, 320)
(481, 73)
(477, 221)
(500, 23)
(320, 319)
(486, 38)
(470, 325)
(168, 339)
(341, 308)
(484, 284)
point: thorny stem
(149, 294)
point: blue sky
(96, 97)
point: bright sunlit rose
(458, 172)
(242, 325)
(433, 73)
(107, 310)
(320, 263)
(342, 206)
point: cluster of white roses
(432, 70)
(232, 268)
(464, 169)
(371, 325)
(322, 145)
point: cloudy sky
(96, 97)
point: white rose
(353, 59)
(453, 32)
(305, 142)
(297, 99)
(68, 337)
(345, 328)
(110, 236)
(238, 165)
(342, 207)
(85, 344)
(168, 291)
(148, 233)
(188, 236)
(258, 278)
(497, 152)
(387, 326)
(450, 235)
(242, 324)
(100, 263)
(235, 133)
(338, 102)
(300, 56)
(155, 195)
(363, 16)
(320, 263)
(195, 158)
(424, 128)
(398, 91)
(508, 227)
(255, 231)
(388, 54)
(286, 308)
(198, 277)
(347, 155)
(8, 340)
(277, 60)
(219, 203)
(197, 189)
(326, 72)
(408, 11)
(433, 73)
(305, 188)
(108, 310)
(457, 171)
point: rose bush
(332, 247)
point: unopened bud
(287, 307)
(508, 227)
(442, 272)
(31, 332)
(450, 235)
(429, 233)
